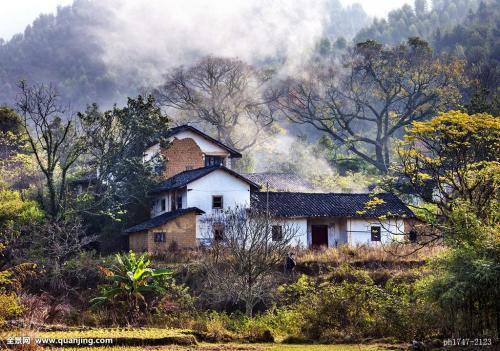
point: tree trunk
(379, 156)
(52, 195)
(249, 308)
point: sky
(15, 15)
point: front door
(319, 235)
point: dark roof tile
(286, 204)
(161, 219)
(281, 181)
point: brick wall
(138, 241)
(181, 155)
(182, 230)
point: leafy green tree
(476, 39)
(465, 284)
(115, 141)
(132, 286)
(16, 214)
(118, 181)
(406, 22)
(452, 162)
(16, 165)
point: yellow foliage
(9, 306)
(14, 209)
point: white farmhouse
(199, 183)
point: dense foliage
(423, 20)
(131, 282)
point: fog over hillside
(103, 50)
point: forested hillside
(67, 48)
(422, 20)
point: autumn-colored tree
(452, 164)
(453, 157)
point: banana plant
(131, 281)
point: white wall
(150, 152)
(359, 231)
(206, 146)
(296, 224)
(234, 191)
(156, 208)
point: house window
(277, 232)
(375, 233)
(217, 202)
(163, 205)
(214, 160)
(158, 169)
(159, 237)
(179, 201)
(413, 236)
(218, 231)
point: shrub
(9, 306)
(132, 286)
(349, 306)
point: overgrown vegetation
(417, 118)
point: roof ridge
(323, 193)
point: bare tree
(53, 139)
(377, 93)
(245, 256)
(225, 95)
(53, 243)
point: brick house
(199, 183)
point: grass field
(136, 339)
(239, 347)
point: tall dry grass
(367, 254)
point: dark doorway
(319, 235)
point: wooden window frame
(221, 202)
(218, 231)
(376, 238)
(214, 157)
(276, 232)
(160, 237)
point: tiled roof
(281, 181)
(173, 131)
(288, 204)
(161, 219)
(182, 179)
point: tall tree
(53, 138)
(450, 161)
(115, 141)
(225, 95)
(379, 91)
